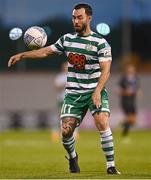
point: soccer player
(89, 61)
(128, 90)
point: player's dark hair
(87, 7)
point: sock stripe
(108, 149)
(109, 156)
(106, 135)
(67, 140)
(103, 139)
(68, 143)
(109, 153)
(109, 144)
(104, 142)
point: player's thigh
(73, 107)
(104, 104)
(101, 114)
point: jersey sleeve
(58, 47)
(104, 51)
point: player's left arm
(33, 54)
(105, 73)
(44, 52)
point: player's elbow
(106, 74)
(45, 52)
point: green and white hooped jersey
(84, 54)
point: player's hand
(96, 98)
(14, 59)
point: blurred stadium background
(27, 94)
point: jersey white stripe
(79, 45)
(77, 85)
(90, 38)
(83, 76)
(88, 66)
(76, 91)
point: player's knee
(102, 121)
(66, 130)
(68, 126)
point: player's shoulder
(96, 35)
(99, 38)
(69, 35)
(66, 37)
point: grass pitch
(31, 154)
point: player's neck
(86, 32)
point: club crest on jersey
(89, 47)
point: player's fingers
(98, 104)
(11, 62)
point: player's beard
(81, 30)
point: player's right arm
(34, 54)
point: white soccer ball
(15, 33)
(35, 37)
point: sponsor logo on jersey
(77, 60)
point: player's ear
(90, 18)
